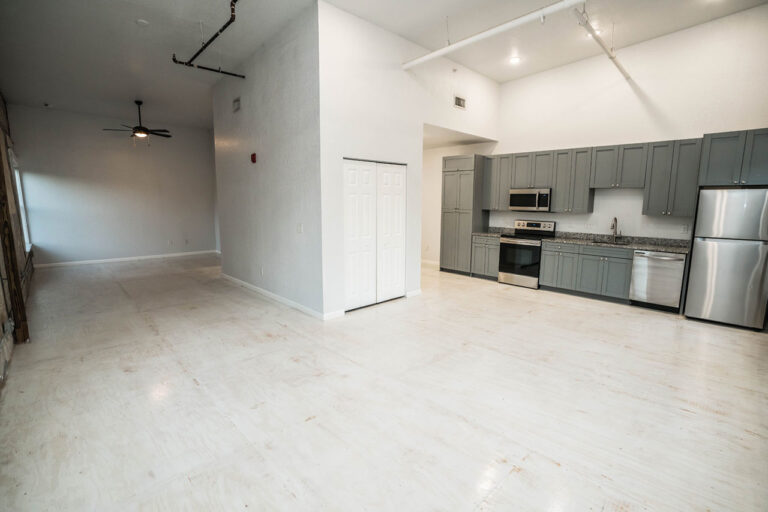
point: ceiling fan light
(141, 135)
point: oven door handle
(518, 241)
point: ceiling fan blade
(116, 130)
(131, 127)
(166, 135)
(158, 130)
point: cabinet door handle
(743, 181)
(735, 181)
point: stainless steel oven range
(520, 254)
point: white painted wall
(371, 109)
(432, 194)
(94, 195)
(263, 206)
(705, 79)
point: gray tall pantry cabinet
(462, 214)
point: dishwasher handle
(659, 256)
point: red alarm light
(253, 158)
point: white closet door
(390, 232)
(359, 233)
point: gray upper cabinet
(605, 165)
(672, 178)
(461, 211)
(583, 197)
(619, 166)
(522, 167)
(631, 170)
(491, 184)
(450, 191)
(562, 191)
(466, 190)
(505, 181)
(543, 167)
(754, 169)
(459, 163)
(571, 176)
(658, 178)
(684, 188)
(721, 158)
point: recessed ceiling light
(514, 60)
(142, 22)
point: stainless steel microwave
(530, 199)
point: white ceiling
(559, 41)
(91, 56)
(439, 137)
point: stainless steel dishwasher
(657, 278)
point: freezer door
(728, 282)
(740, 214)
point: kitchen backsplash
(624, 204)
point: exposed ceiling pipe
(584, 22)
(190, 62)
(538, 14)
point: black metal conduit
(190, 63)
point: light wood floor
(161, 386)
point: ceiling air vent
(460, 102)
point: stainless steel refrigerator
(728, 281)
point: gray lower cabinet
(617, 276)
(570, 187)
(485, 256)
(587, 269)
(590, 274)
(548, 269)
(604, 275)
(558, 269)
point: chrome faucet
(614, 228)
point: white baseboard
(412, 293)
(119, 260)
(283, 300)
(430, 263)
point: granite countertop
(638, 243)
(635, 243)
